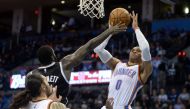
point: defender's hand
(117, 28)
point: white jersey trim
(63, 74)
(29, 73)
(139, 72)
(43, 67)
(116, 67)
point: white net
(92, 8)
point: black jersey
(55, 75)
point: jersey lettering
(55, 76)
(52, 78)
(118, 84)
(124, 85)
(125, 71)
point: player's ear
(43, 87)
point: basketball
(119, 15)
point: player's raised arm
(105, 56)
(74, 59)
(145, 49)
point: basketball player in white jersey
(127, 78)
(35, 95)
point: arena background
(25, 25)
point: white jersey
(124, 85)
(44, 104)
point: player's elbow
(150, 69)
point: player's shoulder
(120, 64)
(32, 71)
(57, 105)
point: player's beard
(135, 59)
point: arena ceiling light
(54, 9)
(53, 22)
(62, 1)
(186, 10)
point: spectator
(188, 106)
(171, 74)
(1, 81)
(145, 101)
(179, 105)
(155, 63)
(157, 106)
(84, 105)
(137, 105)
(170, 106)
(187, 83)
(173, 96)
(162, 97)
(184, 96)
(162, 78)
(154, 96)
(6, 100)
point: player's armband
(144, 45)
(104, 55)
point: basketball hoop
(92, 8)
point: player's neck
(133, 62)
(129, 63)
(42, 96)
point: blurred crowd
(168, 87)
(164, 98)
(163, 43)
(94, 97)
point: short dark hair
(45, 54)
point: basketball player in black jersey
(58, 73)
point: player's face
(48, 88)
(135, 53)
